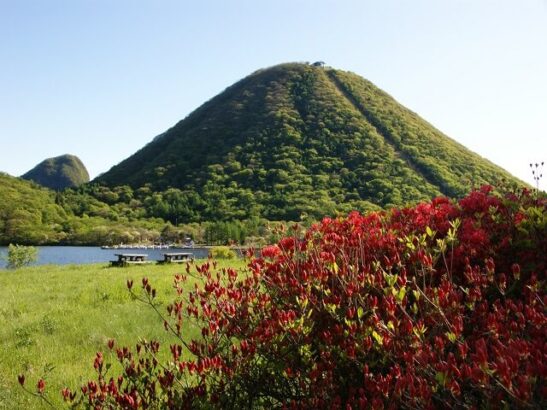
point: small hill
(65, 171)
(295, 140)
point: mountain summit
(65, 171)
(296, 139)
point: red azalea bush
(436, 306)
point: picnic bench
(175, 257)
(125, 259)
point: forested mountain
(288, 143)
(295, 140)
(65, 171)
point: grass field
(55, 318)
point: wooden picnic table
(175, 257)
(129, 259)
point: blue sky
(99, 79)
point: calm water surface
(67, 255)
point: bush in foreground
(437, 306)
(222, 252)
(19, 256)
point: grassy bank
(54, 319)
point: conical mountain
(297, 139)
(64, 171)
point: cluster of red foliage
(440, 305)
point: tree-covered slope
(32, 214)
(65, 171)
(28, 212)
(296, 139)
(442, 161)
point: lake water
(67, 255)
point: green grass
(58, 317)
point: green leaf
(390, 279)
(331, 307)
(441, 244)
(401, 294)
(441, 378)
(377, 337)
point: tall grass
(54, 318)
